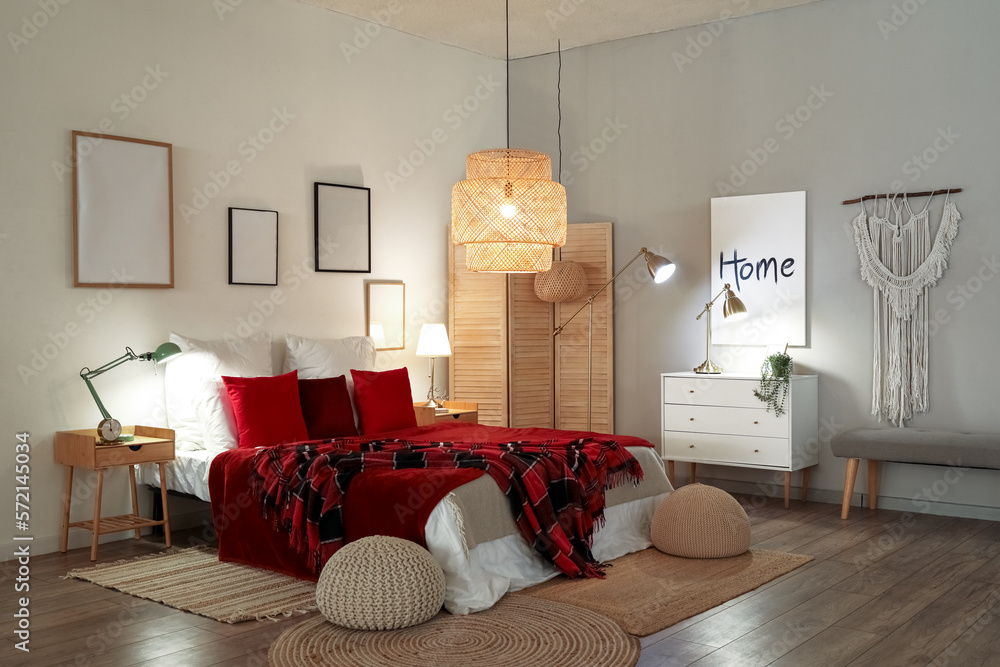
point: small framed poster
(123, 224)
(343, 228)
(253, 246)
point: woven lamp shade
(565, 281)
(508, 213)
(698, 521)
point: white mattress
(475, 578)
(187, 473)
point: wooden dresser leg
(96, 535)
(67, 503)
(163, 497)
(694, 472)
(849, 478)
(806, 474)
(670, 472)
(137, 533)
(873, 473)
(788, 487)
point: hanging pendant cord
(559, 105)
(507, 12)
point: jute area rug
(196, 580)
(648, 591)
(515, 632)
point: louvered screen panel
(530, 354)
(591, 245)
(477, 317)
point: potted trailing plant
(774, 377)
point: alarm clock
(109, 429)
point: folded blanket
(555, 488)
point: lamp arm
(87, 374)
(708, 306)
(129, 355)
(594, 295)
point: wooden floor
(885, 588)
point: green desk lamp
(110, 429)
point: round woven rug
(516, 631)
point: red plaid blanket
(555, 488)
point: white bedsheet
(187, 473)
(475, 578)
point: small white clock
(109, 429)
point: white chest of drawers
(716, 419)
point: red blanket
(244, 536)
(555, 488)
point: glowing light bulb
(508, 209)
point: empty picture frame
(123, 226)
(385, 314)
(343, 228)
(253, 246)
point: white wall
(224, 74)
(672, 129)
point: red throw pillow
(326, 407)
(267, 409)
(384, 400)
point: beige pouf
(698, 521)
(380, 583)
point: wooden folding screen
(504, 355)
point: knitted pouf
(380, 583)
(698, 521)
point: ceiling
(535, 25)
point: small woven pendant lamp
(565, 281)
(508, 213)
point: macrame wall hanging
(901, 264)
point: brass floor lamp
(660, 268)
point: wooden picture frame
(343, 228)
(385, 314)
(123, 222)
(253, 246)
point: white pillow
(329, 358)
(216, 417)
(186, 375)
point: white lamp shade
(433, 341)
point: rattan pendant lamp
(508, 213)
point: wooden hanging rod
(928, 193)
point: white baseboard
(79, 539)
(859, 499)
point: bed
(470, 532)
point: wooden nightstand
(457, 411)
(80, 449)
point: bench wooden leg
(670, 473)
(694, 472)
(849, 479)
(873, 473)
(806, 474)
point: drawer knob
(756, 451)
(756, 422)
(690, 391)
(692, 418)
(692, 446)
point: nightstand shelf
(457, 411)
(82, 449)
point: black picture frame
(342, 228)
(253, 246)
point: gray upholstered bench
(910, 445)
